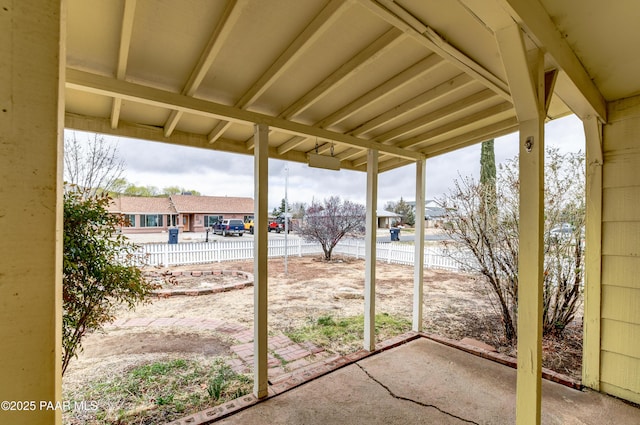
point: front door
(185, 223)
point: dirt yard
(455, 306)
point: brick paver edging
(503, 359)
(246, 282)
(290, 381)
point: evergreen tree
(488, 180)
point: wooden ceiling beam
(502, 109)
(577, 89)
(478, 135)
(216, 41)
(420, 101)
(456, 108)
(395, 83)
(179, 138)
(105, 86)
(364, 57)
(399, 17)
(537, 23)
(312, 32)
(128, 15)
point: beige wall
(620, 323)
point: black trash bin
(395, 234)
(173, 236)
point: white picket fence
(163, 254)
(397, 253)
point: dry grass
(455, 306)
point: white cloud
(219, 173)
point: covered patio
(366, 85)
(421, 382)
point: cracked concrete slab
(347, 396)
(424, 382)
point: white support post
(260, 255)
(525, 75)
(418, 263)
(370, 252)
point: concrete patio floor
(425, 382)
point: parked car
(276, 226)
(248, 226)
(564, 231)
(229, 227)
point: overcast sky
(224, 174)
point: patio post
(593, 255)
(370, 251)
(32, 60)
(418, 262)
(526, 78)
(260, 254)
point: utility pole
(286, 220)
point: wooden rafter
(367, 55)
(320, 24)
(537, 23)
(399, 17)
(433, 118)
(472, 137)
(420, 101)
(216, 41)
(387, 88)
(105, 86)
(123, 55)
(377, 94)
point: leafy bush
(99, 269)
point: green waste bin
(173, 236)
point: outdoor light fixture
(321, 161)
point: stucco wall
(620, 323)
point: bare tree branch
(91, 165)
(327, 223)
(493, 241)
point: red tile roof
(141, 205)
(181, 204)
(212, 204)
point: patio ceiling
(411, 78)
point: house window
(151, 220)
(129, 220)
(210, 220)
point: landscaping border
(166, 293)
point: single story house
(387, 219)
(196, 213)
(143, 214)
(434, 214)
(187, 212)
